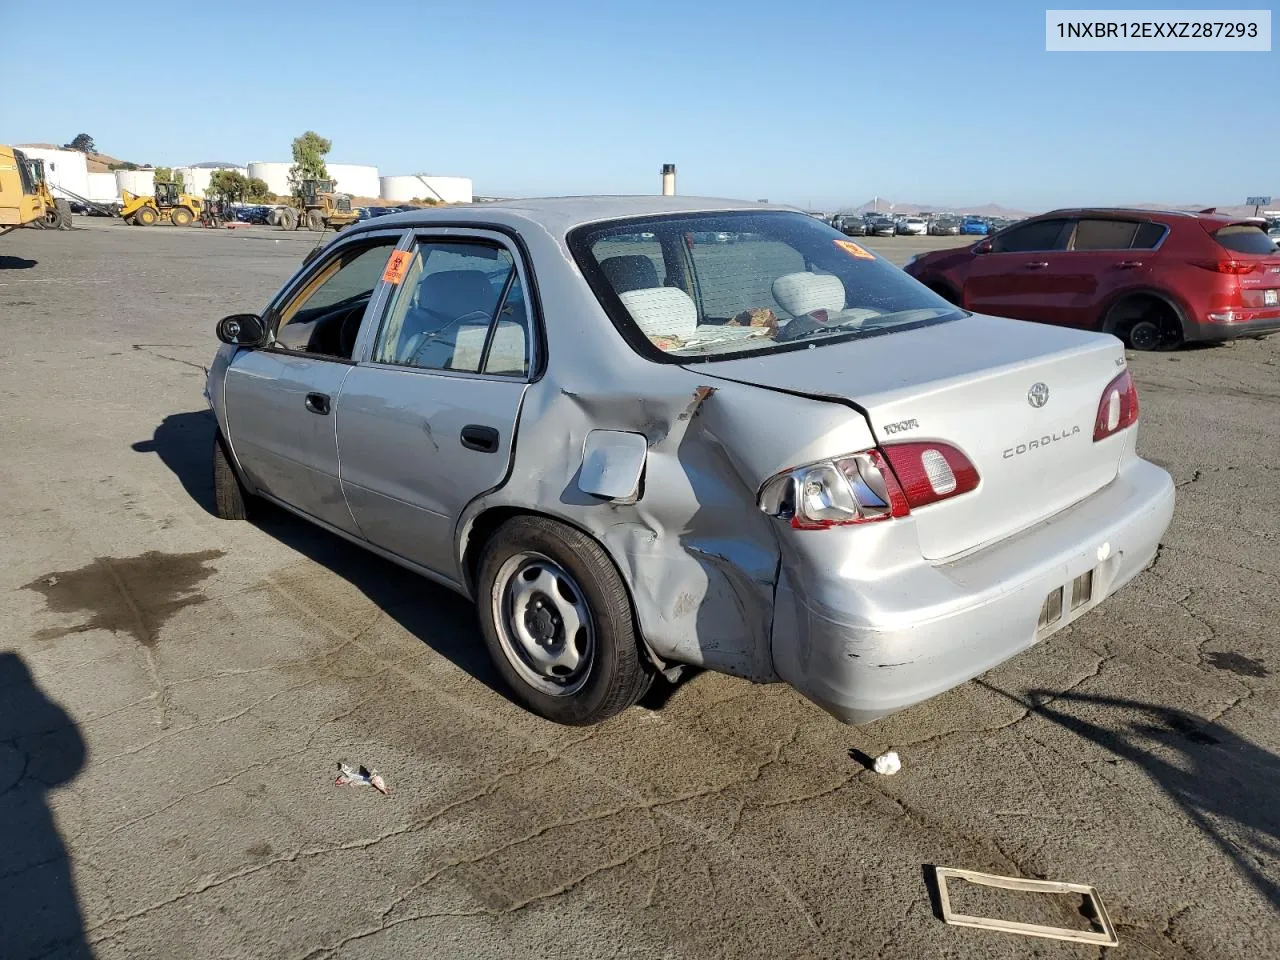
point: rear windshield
(707, 286)
(1245, 238)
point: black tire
(288, 219)
(61, 215)
(1143, 335)
(315, 220)
(181, 216)
(616, 674)
(230, 498)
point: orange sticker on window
(853, 250)
(396, 266)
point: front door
(1016, 278)
(427, 422)
(281, 400)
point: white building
(141, 183)
(355, 179)
(67, 171)
(422, 186)
(103, 188)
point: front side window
(711, 285)
(1037, 236)
(460, 306)
(324, 316)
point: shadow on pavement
(1227, 786)
(438, 617)
(40, 749)
(16, 263)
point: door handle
(317, 403)
(1129, 264)
(476, 436)
(1037, 264)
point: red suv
(1152, 278)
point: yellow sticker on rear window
(396, 266)
(853, 250)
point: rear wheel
(146, 216)
(230, 498)
(288, 219)
(1144, 323)
(181, 216)
(557, 620)
(315, 220)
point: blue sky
(820, 103)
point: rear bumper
(1252, 323)
(863, 648)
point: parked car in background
(973, 226)
(944, 228)
(869, 468)
(912, 227)
(1152, 278)
(851, 225)
(253, 214)
(880, 226)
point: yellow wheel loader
(318, 207)
(25, 198)
(168, 202)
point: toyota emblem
(1038, 395)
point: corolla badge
(1038, 395)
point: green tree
(229, 185)
(308, 160)
(167, 175)
(258, 191)
(82, 142)
(126, 165)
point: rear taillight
(866, 487)
(930, 472)
(1235, 267)
(1118, 407)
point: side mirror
(242, 330)
(982, 246)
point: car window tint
(1245, 238)
(1035, 236)
(1105, 234)
(441, 315)
(325, 316)
(1148, 235)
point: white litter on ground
(887, 763)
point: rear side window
(1245, 238)
(1034, 236)
(1105, 234)
(1149, 234)
(459, 307)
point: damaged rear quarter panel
(698, 556)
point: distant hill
(97, 162)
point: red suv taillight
(869, 486)
(1235, 267)
(1118, 407)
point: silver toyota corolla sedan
(637, 446)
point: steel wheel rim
(544, 625)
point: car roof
(559, 215)
(1151, 214)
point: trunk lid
(968, 383)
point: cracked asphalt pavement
(176, 691)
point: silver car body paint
(863, 620)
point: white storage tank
(195, 178)
(103, 188)
(274, 175)
(353, 178)
(423, 186)
(62, 169)
(141, 183)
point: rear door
(280, 399)
(426, 420)
(1105, 256)
(1015, 278)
